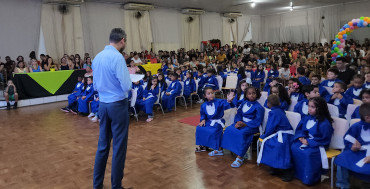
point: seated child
(76, 93)
(162, 82)
(340, 99)
(367, 81)
(148, 99)
(86, 96)
(184, 69)
(211, 80)
(355, 159)
(240, 93)
(189, 85)
(11, 94)
(273, 73)
(280, 91)
(273, 82)
(331, 78)
(179, 73)
(238, 136)
(209, 131)
(294, 90)
(277, 139)
(258, 77)
(315, 80)
(358, 84)
(195, 73)
(365, 97)
(174, 90)
(94, 108)
(309, 91)
(312, 136)
(301, 76)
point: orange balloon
(334, 42)
(340, 36)
(350, 23)
(347, 30)
(356, 27)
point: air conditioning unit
(138, 6)
(232, 15)
(69, 2)
(192, 11)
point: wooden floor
(42, 147)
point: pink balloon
(342, 41)
(341, 46)
(352, 28)
(357, 20)
(365, 23)
(353, 20)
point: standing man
(112, 81)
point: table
(43, 84)
(152, 67)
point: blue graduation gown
(256, 75)
(168, 102)
(323, 92)
(356, 113)
(271, 74)
(354, 93)
(77, 91)
(304, 80)
(302, 107)
(95, 104)
(348, 158)
(210, 135)
(238, 99)
(341, 103)
(212, 82)
(83, 104)
(239, 140)
(202, 81)
(307, 159)
(296, 96)
(164, 70)
(150, 98)
(275, 153)
(195, 75)
(329, 83)
(283, 104)
(162, 86)
(367, 85)
(140, 91)
(189, 87)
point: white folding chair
(292, 105)
(334, 111)
(264, 93)
(337, 143)
(353, 121)
(231, 82)
(181, 95)
(220, 81)
(133, 102)
(194, 94)
(262, 129)
(262, 100)
(330, 90)
(350, 109)
(159, 96)
(294, 118)
(357, 102)
(229, 116)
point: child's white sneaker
(95, 119)
(91, 115)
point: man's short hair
(116, 35)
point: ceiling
(263, 7)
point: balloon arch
(340, 39)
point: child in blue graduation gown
(150, 96)
(238, 136)
(358, 84)
(280, 91)
(174, 90)
(189, 85)
(277, 139)
(162, 83)
(76, 93)
(294, 90)
(258, 77)
(209, 131)
(240, 93)
(367, 81)
(312, 136)
(365, 97)
(331, 78)
(340, 99)
(273, 73)
(301, 76)
(315, 80)
(211, 80)
(86, 96)
(309, 91)
(94, 108)
(355, 159)
(139, 90)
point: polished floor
(42, 147)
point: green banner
(51, 81)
